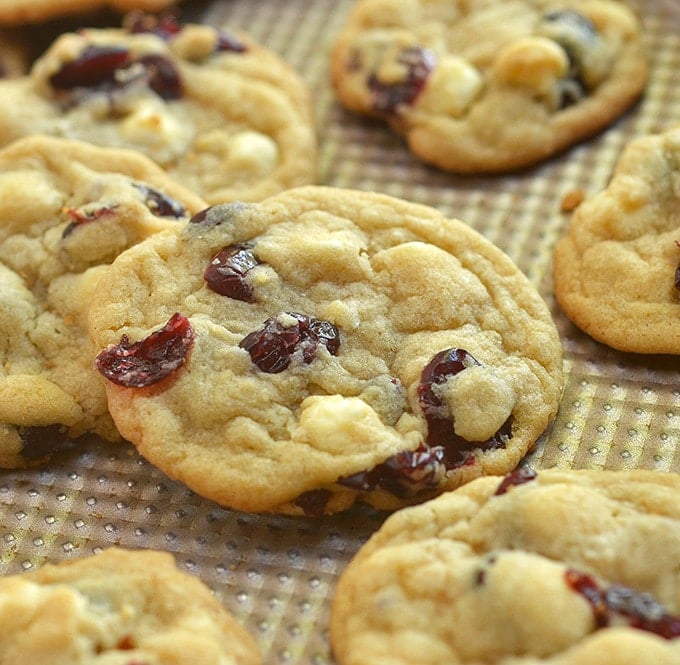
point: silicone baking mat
(277, 574)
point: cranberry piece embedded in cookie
(164, 79)
(94, 66)
(314, 502)
(516, 477)
(640, 610)
(676, 280)
(42, 442)
(85, 215)
(405, 475)
(388, 97)
(227, 42)
(161, 204)
(216, 215)
(272, 347)
(227, 270)
(165, 26)
(440, 430)
(143, 363)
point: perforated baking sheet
(277, 574)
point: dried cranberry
(228, 42)
(164, 79)
(314, 502)
(217, 215)
(641, 610)
(80, 216)
(125, 643)
(41, 442)
(440, 430)
(405, 474)
(161, 204)
(271, 348)
(516, 477)
(227, 270)
(388, 97)
(677, 271)
(140, 364)
(95, 66)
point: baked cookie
(18, 12)
(66, 210)
(15, 55)
(558, 568)
(314, 349)
(119, 607)
(172, 92)
(490, 85)
(616, 272)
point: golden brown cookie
(119, 607)
(67, 209)
(178, 93)
(490, 85)
(325, 346)
(558, 568)
(616, 272)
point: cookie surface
(493, 85)
(616, 271)
(571, 567)
(66, 210)
(17, 12)
(119, 607)
(315, 348)
(180, 95)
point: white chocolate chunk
(452, 87)
(533, 62)
(253, 152)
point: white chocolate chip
(253, 152)
(533, 62)
(452, 87)
(479, 401)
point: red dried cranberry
(516, 477)
(641, 610)
(677, 271)
(388, 97)
(80, 217)
(161, 204)
(41, 442)
(314, 502)
(228, 42)
(140, 364)
(95, 66)
(164, 79)
(125, 643)
(271, 348)
(405, 474)
(440, 430)
(227, 270)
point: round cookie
(491, 85)
(558, 568)
(120, 607)
(18, 12)
(66, 210)
(616, 272)
(177, 93)
(311, 350)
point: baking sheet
(277, 574)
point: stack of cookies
(175, 276)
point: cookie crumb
(571, 200)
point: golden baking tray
(277, 574)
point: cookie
(558, 568)
(66, 210)
(174, 93)
(314, 349)
(492, 85)
(120, 607)
(19, 12)
(616, 272)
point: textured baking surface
(277, 574)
